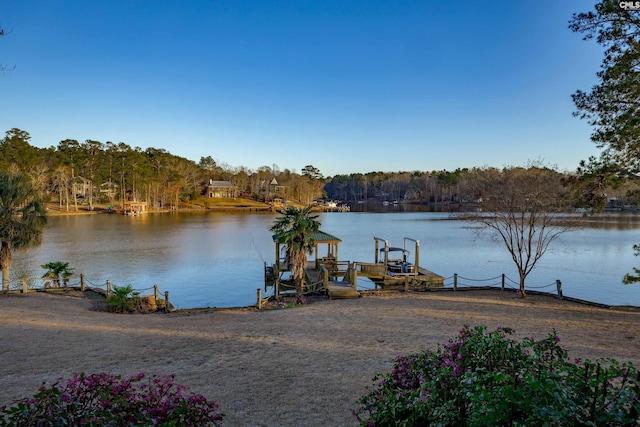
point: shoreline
(289, 301)
(54, 210)
(251, 206)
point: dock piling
(259, 300)
(82, 283)
(25, 288)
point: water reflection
(217, 259)
(613, 221)
(377, 206)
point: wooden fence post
(166, 301)
(82, 284)
(502, 281)
(259, 301)
(108, 288)
(355, 277)
(156, 292)
(455, 281)
(276, 289)
(25, 288)
(559, 286)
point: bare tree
(61, 185)
(4, 67)
(520, 208)
(39, 176)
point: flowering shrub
(109, 400)
(489, 379)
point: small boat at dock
(388, 273)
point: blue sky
(347, 86)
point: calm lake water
(216, 259)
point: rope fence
(26, 284)
(501, 282)
(83, 284)
(455, 282)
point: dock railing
(340, 268)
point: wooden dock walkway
(341, 290)
(391, 280)
(333, 288)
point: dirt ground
(297, 366)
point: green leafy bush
(109, 400)
(123, 299)
(489, 379)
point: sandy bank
(286, 367)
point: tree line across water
(90, 172)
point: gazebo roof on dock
(319, 237)
(322, 237)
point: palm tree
(123, 299)
(22, 219)
(57, 269)
(295, 228)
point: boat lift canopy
(404, 250)
(393, 249)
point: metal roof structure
(319, 237)
(322, 237)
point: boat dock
(339, 279)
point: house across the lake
(108, 189)
(221, 189)
(270, 190)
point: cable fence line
(478, 280)
(106, 289)
(457, 282)
(91, 283)
(543, 286)
(470, 285)
(512, 281)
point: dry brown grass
(298, 366)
